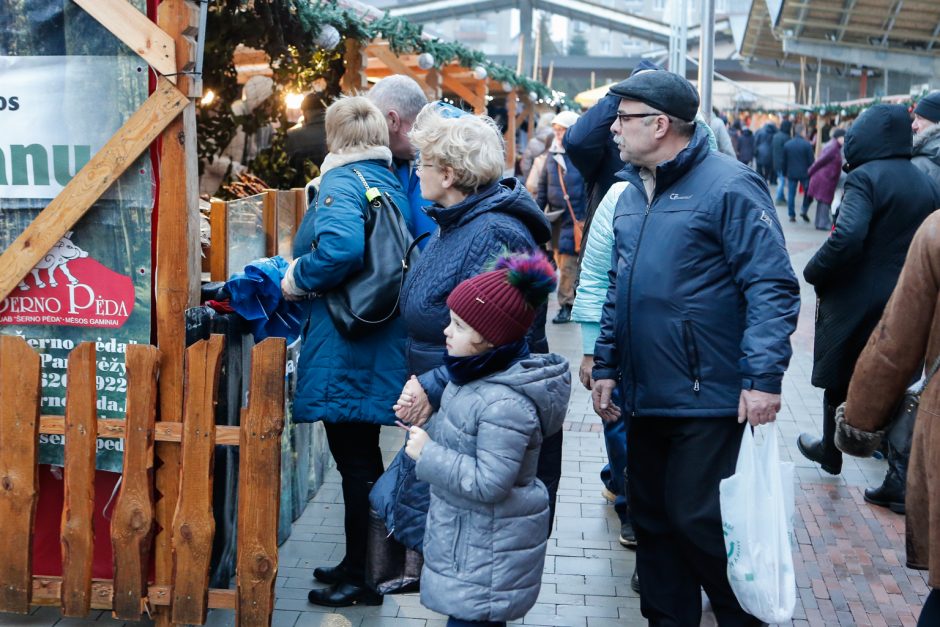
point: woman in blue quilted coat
(348, 383)
(480, 216)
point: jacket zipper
(691, 353)
(636, 252)
(456, 542)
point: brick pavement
(849, 557)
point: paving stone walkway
(849, 558)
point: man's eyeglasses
(623, 117)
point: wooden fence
(129, 594)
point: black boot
(824, 451)
(332, 574)
(344, 595)
(889, 494)
(563, 315)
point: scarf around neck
(463, 370)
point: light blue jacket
(593, 281)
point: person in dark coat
(348, 383)
(797, 158)
(746, 146)
(479, 216)
(854, 272)
(780, 139)
(693, 354)
(764, 152)
(307, 143)
(562, 192)
(824, 178)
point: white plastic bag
(757, 513)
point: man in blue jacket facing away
(695, 334)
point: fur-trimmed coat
(907, 336)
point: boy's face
(462, 340)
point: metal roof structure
(894, 35)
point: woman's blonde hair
(354, 124)
(471, 145)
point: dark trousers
(675, 465)
(930, 614)
(549, 471)
(355, 447)
(459, 622)
(615, 440)
(791, 196)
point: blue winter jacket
(343, 380)
(798, 156)
(702, 297)
(471, 234)
(420, 221)
(551, 193)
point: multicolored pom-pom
(529, 272)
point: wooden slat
(19, 433)
(89, 184)
(218, 240)
(137, 31)
(46, 591)
(77, 533)
(193, 523)
(510, 136)
(269, 221)
(132, 520)
(163, 431)
(259, 474)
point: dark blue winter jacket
(702, 297)
(764, 145)
(551, 193)
(471, 234)
(420, 222)
(798, 156)
(590, 146)
(340, 379)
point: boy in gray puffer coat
(484, 543)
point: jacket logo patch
(678, 197)
(765, 218)
(327, 201)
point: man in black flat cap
(695, 335)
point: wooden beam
(510, 136)
(46, 591)
(382, 52)
(89, 184)
(177, 272)
(269, 221)
(137, 31)
(481, 92)
(458, 88)
(218, 240)
(165, 431)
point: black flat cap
(666, 91)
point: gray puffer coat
(926, 155)
(484, 545)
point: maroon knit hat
(500, 305)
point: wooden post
(259, 465)
(177, 272)
(510, 136)
(269, 221)
(481, 92)
(354, 78)
(19, 472)
(218, 243)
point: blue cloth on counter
(256, 297)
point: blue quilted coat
(339, 379)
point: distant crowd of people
(658, 231)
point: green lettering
(3, 169)
(40, 159)
(60, 162)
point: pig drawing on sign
(57, 258)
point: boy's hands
(417, 438)
(413, 405)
